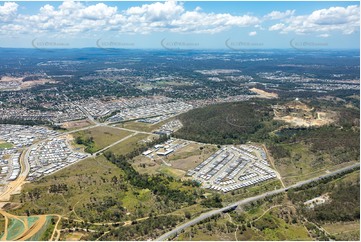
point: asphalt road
(25, 166)
(203, 216)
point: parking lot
(233, 167)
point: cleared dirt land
(264, 94)
(298, 114)
(76, 124)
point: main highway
(209, 214)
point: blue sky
(170, 24)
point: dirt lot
(76, 124)
(299, 114)
(264, 94)
(27, 84)
(190, 156)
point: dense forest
(339, 141)
(228, 123)
(343, 204)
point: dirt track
(33, 229)
(28, 232)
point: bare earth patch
(299, 114)
(76, 124)
(264, 94)
(17, 83)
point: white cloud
(324, 35)
(253, 33)
(279, 15)
(75, 17)
(342, 19)
(8, 11)
(169, 16)
(276, 27)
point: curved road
(203, 216)
(12, 186)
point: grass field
(191, 155)
(344, 230)
(5, 145)
(32, 220)
(252, 190)
(140, 126)
(301, 164)
(227, 228)
(73, 236)
(44, 234)
(90, 187)
(15, 228)
(102, 136)
(2, 225)
(130, 144)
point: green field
(83, 180)
(44, 234)
(2, 225)
(5, 145)
(32, 220)
(101, 137)
(15, 228)
(140, 126)
(308, 153)
(130, 144)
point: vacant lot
(76, 124)
(5, 145)
(101, 136)
(344, 230)
(140, 126)
(191, 155)
(131, 144)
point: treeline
(24, 122)
(88, 142)
(159, 184)
(341, 144)
(343, 204)
(58, 188)
(228, 123)
(31, 122)
(145, 230)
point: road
(203, 216)
(13, 186)
(115, 143)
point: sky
(180, 25)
